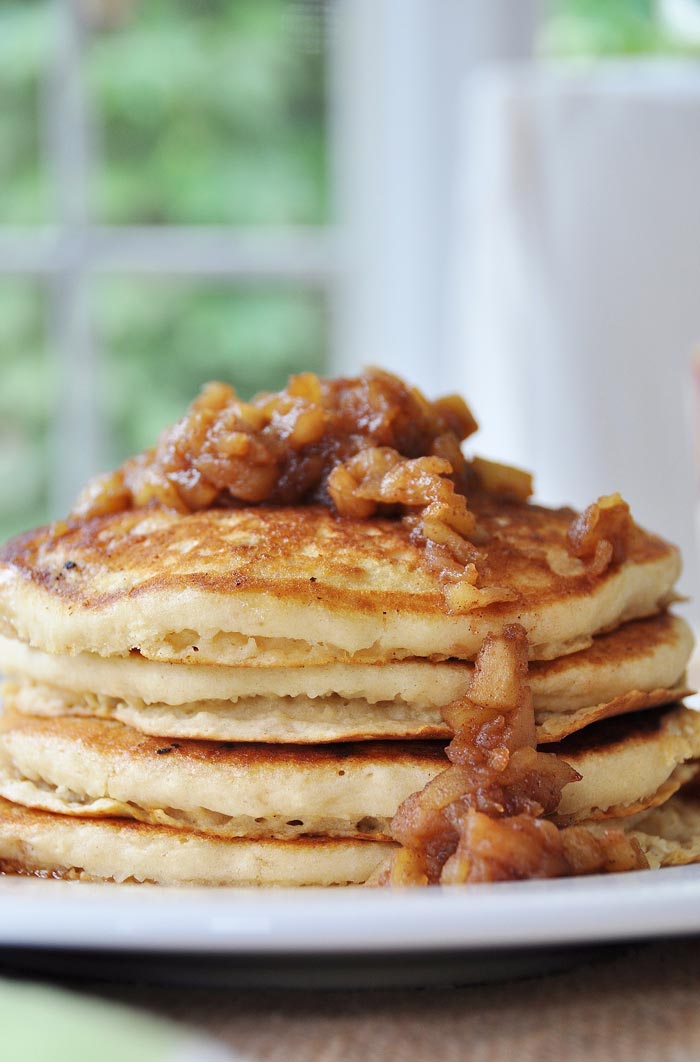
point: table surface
(639, 1002)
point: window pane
(24, 49)
(25, 408)
(210, 112)
(161, 341)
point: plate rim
(643, 905)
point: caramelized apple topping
(281, 448)
(380, 479)
(481, 818)
(366, 446)
(363, 446)
(380, 475)
(524, 847)
(503, 480)
(601, 535)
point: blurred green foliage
(204, 111)
(26, 406)
(25, 32)
(210, 111)
(595, 28)
(162, 341)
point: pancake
(296, 720)
(148, 682)
(640, 665)
(643, 655)
(273, 720)
(297, 586)
(88, 767)
(628, 763)
(344, 702)
(117, 850)
(204, 657)
(668, 835)
(35, 842)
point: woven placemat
(640, 1002)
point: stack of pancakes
(246, 696)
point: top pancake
(294, 586)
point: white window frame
(400, 72)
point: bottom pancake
(36, 842)
(668, 835)
(118, 850)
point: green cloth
(43, 1024)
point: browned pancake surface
(632, 641)
(634, 728)
(302, 553)
(112, 738)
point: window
(163, 221)
(160, 338)
(27, 405)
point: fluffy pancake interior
(93, 767)
(274, 720)
(136, 680)
(298, 720)
(345, 701)
(37, 842)
(626, 763)
(90, 767)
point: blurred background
(240, 189)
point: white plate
(534, 914)
(476, 923)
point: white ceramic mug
(580, 285)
